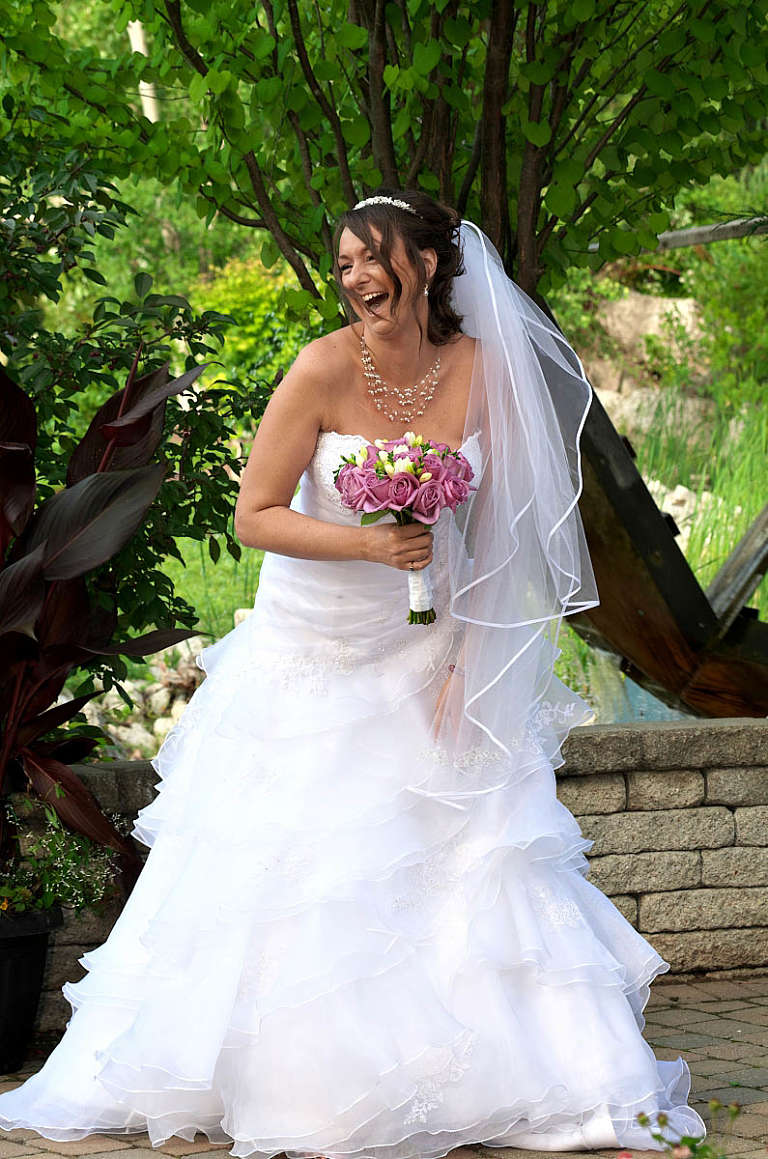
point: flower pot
(23, 949)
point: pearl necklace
(407, 396)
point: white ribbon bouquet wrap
(413, 480)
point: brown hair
(436, 227)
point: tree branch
(190, 53)
(272, 223)
(306, 165)
(327, 107)
(471, 173)
(494, 207)
(381, 125)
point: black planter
(23, 949)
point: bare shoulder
(325, 354)
(462, 353)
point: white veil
(518, 555)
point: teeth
(375, 294)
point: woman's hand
(398, 545)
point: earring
(426, 289)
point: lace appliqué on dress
(438, 874)
(472, 760)
(430, 1090)
(558, 911)
(550, 713)
(310, 670)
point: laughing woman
(365, 929)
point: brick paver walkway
(720, 1028)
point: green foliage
(730, 283)
(215, 590)
(690, 1146)
(279, 116)
(52, 200)
(260, 343)
(54, 866)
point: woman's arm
(283, 446)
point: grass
(216, 590)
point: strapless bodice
(349, 608)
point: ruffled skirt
(346, 943)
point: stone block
(134, 782)
(712, 949)
(704, 909)
(738, 786)
(734, 866)
(53, 1012)
(666, 744)
(619, 873)
(90, 927)
(707, 827)
(62, 965)
(664, 789)
(752, 825)
(102, 780)
(603, 793)
(627, 906)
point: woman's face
(369, 287)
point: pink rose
(350, 484)
(378, 492)
(402, 488)
(456, 491)
(428, 502)
(434, 464)
(373, 453)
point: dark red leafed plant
(49, 621)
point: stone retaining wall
(678, 812)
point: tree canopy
(551, 125)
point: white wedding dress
(325, 954)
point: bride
(365, 927)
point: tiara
(386, 201)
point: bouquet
(413, 480)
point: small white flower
(400, 450)
(424, 476)
(379, 443)
(409, 437)
(362, 458)
(390, 469)
(404, 465)
(384, 456)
